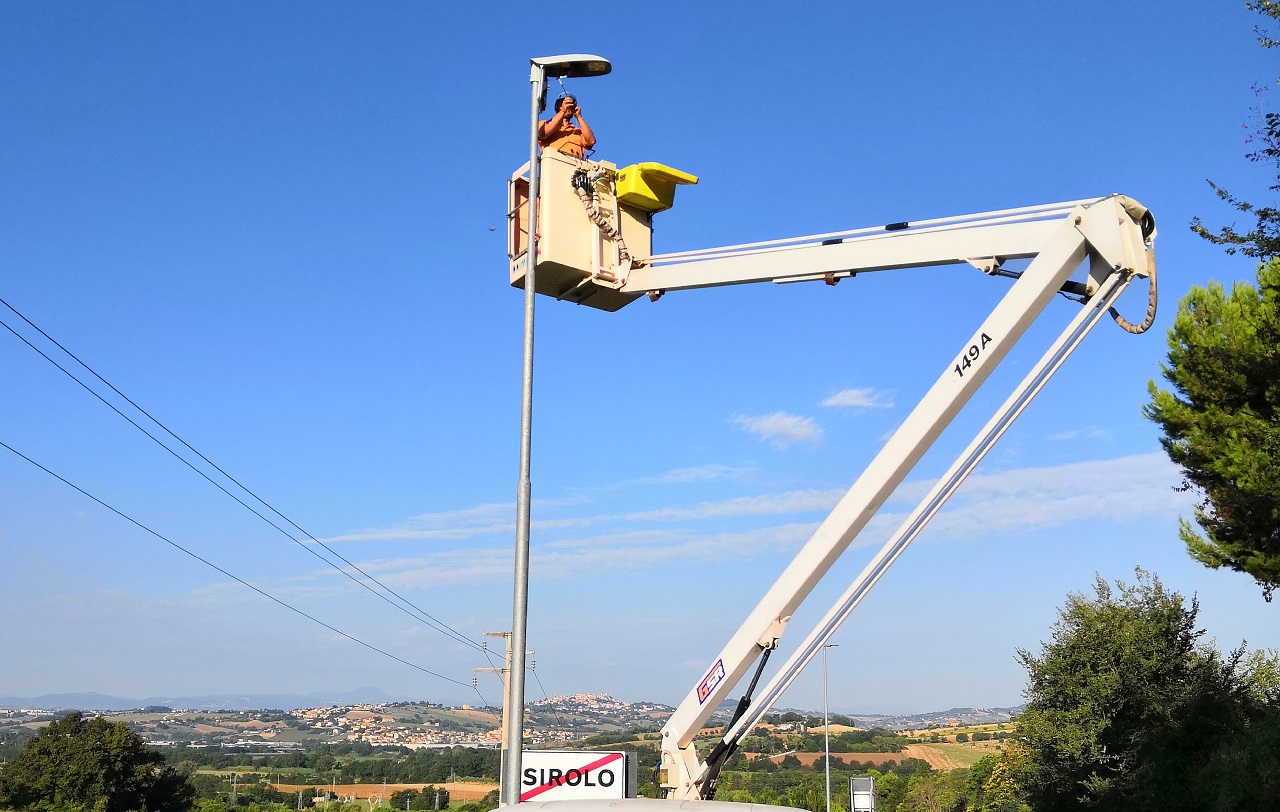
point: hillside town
(555, 721)
(380, 726)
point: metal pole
(514, 707)
(826, 725)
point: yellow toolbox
(650, 186)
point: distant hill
(595, 713)
(953, 716)
(104, 702)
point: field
(458, 790)
(947, 756)
(970, 729)
(878, 759)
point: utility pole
(507, 714)
(826, 724)
(233, 789)
(565, 66)
(505, 671)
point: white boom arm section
(1114, 233)
(983, 240)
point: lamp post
(541, 68)
(826, 726)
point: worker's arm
(545, 128)
(588, 137)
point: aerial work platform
(594, 232)
(595, 223)
(595, 247)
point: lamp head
(572, 66)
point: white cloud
(490, 517)
(1080, 434)
(1011, 501)
(865, 398)
(1018, 500)
(762, 505)
(700, 473)
(465, 566)
(780, 428)
(766, 504)
(596, 555)
(1024, 499)
(465, 523)
(403, 533)
(595, 558)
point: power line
(421, 615)
(233, 577)
(485, 650)
(547, 697)
(485, 703)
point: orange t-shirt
(566, 139)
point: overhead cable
(547, 697)
(233, 577)
(404, 605)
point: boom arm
(584, 258)
(1003, 235)
(1114, 233)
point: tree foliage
(356, 761)
(908, 786)
(486, 804)
(11, 741)
(996, 788)
(91, 765)
(934, 793)
(1262, 240)
(430, 797)
(1127, 709)
(1221, 422)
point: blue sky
(272, 226)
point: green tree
(77, 764)
(975, 789)
(1127, 710)
(486, 804)
(431, 797)
(323, 762)
(1263, 239)
(1221, 422)
(208, 785)
(11, 741)
(961, 738)
(1000, 791)
(933, 793)
(762, 763)
(820, 764)
(891, 788)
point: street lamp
(826, 726)
(562, 66)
